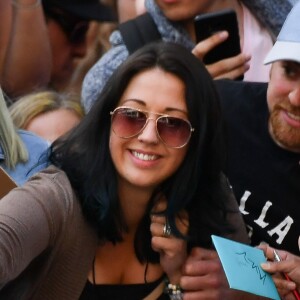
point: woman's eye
(170, 122)
(135, 114)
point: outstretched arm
(5, 29)
(25, 58)
(32, 219)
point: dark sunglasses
(75, 28)
(128, 122)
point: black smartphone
(211, 23)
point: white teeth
(142, 156)
(295, 117)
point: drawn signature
(248, 262)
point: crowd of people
(127, 163)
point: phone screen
(211, 23)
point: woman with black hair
(132, 189)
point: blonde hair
(11, 143)
(28, 107)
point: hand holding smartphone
(208, 24)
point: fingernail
(263, 243)
(265, 266)
(223, 35)
(291, 285)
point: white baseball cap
(287, 45)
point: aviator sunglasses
(128, 122)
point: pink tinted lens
(174, 132)
(128, 122)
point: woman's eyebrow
(172, 109)
(167, 109)
(139, 101)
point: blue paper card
(241, 264)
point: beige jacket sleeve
(32, 219)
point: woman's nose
(149, 133)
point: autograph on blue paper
(248, 262)
(241, 264)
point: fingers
(203, 276)
(202, 261)
(229, 68)
(288, 265)
(202, 48)
(201, 270)
(162, 243)
(157, 225)
(269, 252)
(160, 205)
(284, 285)
(284, 288)
(159, 220)
(283, 266)
(172, 250)
(170, 247)
(198, 254)
(202, 267)
(279, 269)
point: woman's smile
(144, 156)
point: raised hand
(230, 68)
(173, 250)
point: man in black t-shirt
(264, 171)
(263, 123)
(263, 131)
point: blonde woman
(21, 152)
(47, 113)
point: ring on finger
(167, 230)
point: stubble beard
(284, 134)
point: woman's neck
(134, 202)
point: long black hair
(84, 153)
